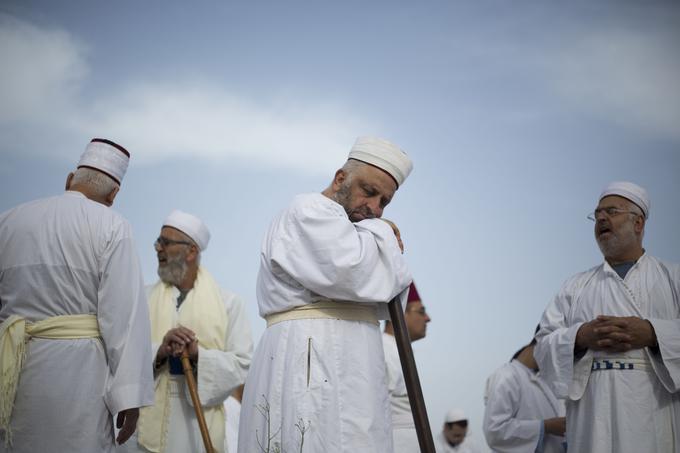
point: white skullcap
(107, 157)
(190, 225)
(384, 155)
(455, 415)
(630, 191)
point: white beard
(618, 242)
(174, 270)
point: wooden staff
(408, 367)
(191, 382)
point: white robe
(68, 255)
(232, 410)
(468, 445)
(326, 376)
(617, 410)
(219, 373)
(403, 428)
(517, 401)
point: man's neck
(630, 257)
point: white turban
(190, 225)
(630, 191)
(455, 415)
(384, 155)
(107, 157)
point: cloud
(41, 70)
(157, 120)
(180, 120)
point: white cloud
(40, 71)
(161, 121)
(158, 120)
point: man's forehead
(378, 177)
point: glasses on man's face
(162, 242)
(609, 212)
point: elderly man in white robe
(522, 413)
(74, 338)
(403, 427)
(328, 267)
(190, 311)
(610, 341)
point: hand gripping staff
(191, 383)
(408, 367)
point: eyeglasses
(609, 212)
(164, 242)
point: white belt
(327, 309)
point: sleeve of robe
(123, 317)
(554, 349)
(667, 361)
(335, 258)
(503, 432)
(220, 372)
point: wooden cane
(408, 367)
(191, 383)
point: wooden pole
(191, 383)
(408, 367)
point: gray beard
(619, 242)
(343, 197)
(174, 271)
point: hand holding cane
(191, 383)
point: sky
(515, 114)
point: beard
(174, 270)
(344, 198)
(618, 243)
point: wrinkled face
(618, 233)
(365, 193)
(172, 258)
(416, 319)
(455, 434)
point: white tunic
(68, 255)
(617, 410)
(325, 377)
(403, 428)
(219, 373)
(517, 402)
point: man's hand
(174, 342)
(556, 426)
(396, 233)
(616, 334)
(127, 423)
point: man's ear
(192, 256)
(639, 224)
(69, 178)
(338, 179)
(112, 195)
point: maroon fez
(413, 295)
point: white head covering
(106, 156)
(455, 415)
(630, 191)
(190, 225)
(384, 155)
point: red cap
(413, 294)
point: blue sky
(516, 114)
